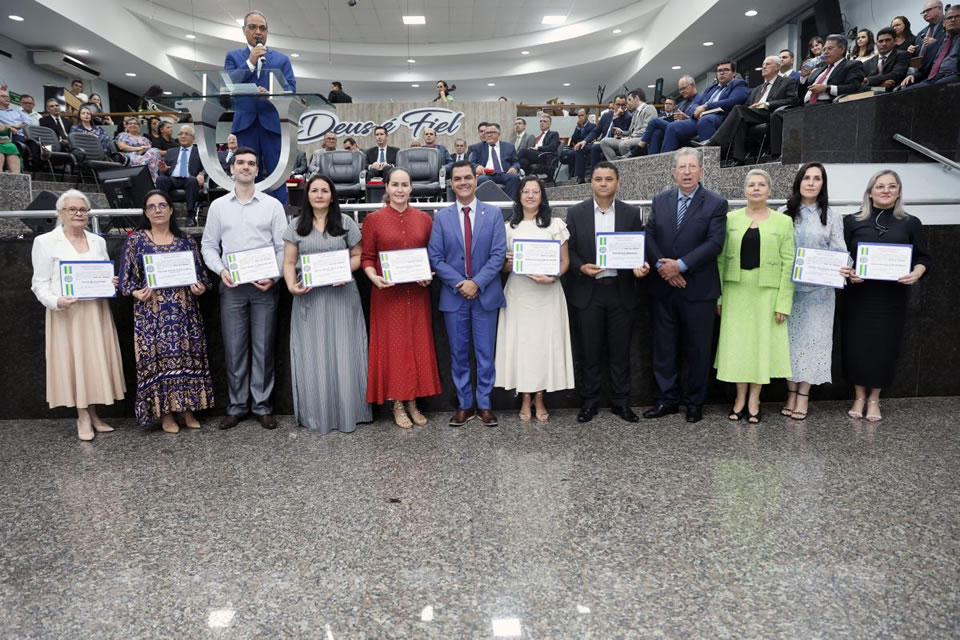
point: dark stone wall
(928, 364)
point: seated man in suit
(567, 155)
(618, 118)
(329, 144)
(889, 67)
(652, 139)
(726, 93)
(496, 160)
(184, 171)
(787, 62)
(623, 141)
(300, 168)
(430, 142)
(336, 95)
(547, 141)
(380, 158)
(54, 120)
(942, 68)
(834, 77)
(929, 38)
(349, 144)
(481, 133)
(460, 153)
(775, 92)
(523, 137)
(13, 118)
(226, 156)
(669, 106)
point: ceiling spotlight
(566, 84)
(190, 36)
(82, 51)
(415, 86)
(168, 93)
(131, 75)
(554, 19)
(16, 18)
(411, 60)
(651, 86)
(708, 44)
(750, 13)
(676, 67)
(491, 84)
(294, 55)
(618, 30)
(414, 20)
(524, 53)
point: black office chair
(90, 156)
(53, 153)
(346, 169)
(427, 177)
(547, 165)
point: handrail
(948, 164)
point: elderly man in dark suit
(685, 234)
(184, 171)
(942, 68)
(382, 157)
(889, 67)
(583, 128)
(55, 120)
(496, 160)
(605, 299)
(775, 92)
(547, 141)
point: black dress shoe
(694, 414)
(229, 422)
(586, 414)
(626, 413)
(660, 410)
(267, 421)
(705, 143)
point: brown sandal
(417, 417)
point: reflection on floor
(828, 527)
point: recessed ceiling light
(131, 75)
(414, 20)
(676, 67)
(190, 36)
(294, 55)
(524, 53)
(554, 19)
(411, 60)
(491, 84)
(750, 13)
(618, 30)
(82, 51)
(708, 44)
(651, 86)
(16, 18)
(168, 93)
(415, 86)
(566, 84)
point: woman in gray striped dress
(328, 337)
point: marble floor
(819, 529)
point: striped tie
(682, 210)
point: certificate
(253, 264)
(405, 265)
(166, 270)
(87, 279)
(820, 267)
(876, 261)
(620, 250)
(536, 257)
(325, 268)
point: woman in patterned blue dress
(87, 125)
(173, 373)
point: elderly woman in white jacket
(82, 350)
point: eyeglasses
(160, 206)
(256, 27)
(528, 192)
(77, 211)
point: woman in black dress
(875, 311)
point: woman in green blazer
(756, 297)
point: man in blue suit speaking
(496, 160)
(255, 121)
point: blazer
(579, 133)
(551, 142)
(195, 167)
(50, 123)
(896, 67)
(776, 255)
(508, 156)
(373, 155)
(444, 154)
(847, 77)
(735, 92)
(697, 242)
(223, 160)
(248, 110)
(583, 250)
(525, 140)
(600, 131)
(448, 256)
(640, 120)
(48, 250)
(783, 93)
(930, 53)
(338, 97)
(949, 65)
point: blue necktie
(182, 163)
(496, 160)
(682, 209)
(382, 159)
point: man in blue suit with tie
(255, 120)
(652, 138)
(618, 118)
(496, 160)
(726, 93)
(467, 246)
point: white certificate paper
(166, 270)
(325, 268)
(253, 264)
(87, 279)
(536, 257)
(405, 265)
(877, 261)
(820, 267)
(620, 250)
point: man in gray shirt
(246, 219)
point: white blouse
(48, 250)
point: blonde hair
(867, 207)
(758, 172)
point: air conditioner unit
(63, 64)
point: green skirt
(9, 149)
(753, 347)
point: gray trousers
(248, 320)
(617, 147)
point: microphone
(260, 59)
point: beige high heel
(417, 417)
(86, 436)
(400, 416)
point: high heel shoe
(84, 435)
(856, 414)
(874, 417)
(754, 418)
(542, 416)
(415, 415)
(736, 416)
(400, 416)
(785, 411)
(800, 415)
(102, 427)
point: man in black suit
(226, 157)
(184, 171)
(380, 158)
(54, 120)
(337, 95)
(547, 141)
(605, 299)
(567, 155)
(685, 233)
(775, 92)
(836, 76)
(942, 67)
(497, 161)
(889, 67)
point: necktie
(229, 156)
(609, 129)
(496, 159)
(763, 92)
(880, 64)
(536, 145)
(820, 79)
(182, 163)
(944, 50)
(382, 159)
(682, 209)
(467, 240)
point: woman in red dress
(403, 363)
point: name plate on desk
(253, 264)
(820, 267)
(405, 265)
(621, 250)
(87, 279)
(167, 270)
(878, 261)
(536, 257)
(325, 268)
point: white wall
(786, 37)
(21, 75)
(876, 14)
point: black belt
(607, 281)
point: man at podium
(255, 121)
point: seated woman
(138, 148)
(86, 124)
(11, 155)
(756, 297)
(96, 105)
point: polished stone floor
(827, 528)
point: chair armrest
(443, 177)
